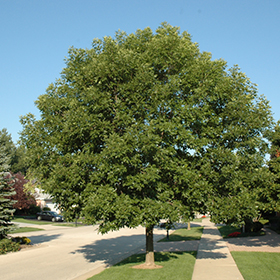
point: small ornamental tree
(24, 199)
(144, 127)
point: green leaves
(143, 127)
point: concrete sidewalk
(214, 260)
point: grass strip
(226, 230)
(68, 224)
(184, 234)
(198, 220)
(258, 265)
(25, 229)
(176, 265)
(31, 221)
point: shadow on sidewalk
(111, 250)
(212, 246)
(209, 249)
(38, 239)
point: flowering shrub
(234, 234)
(203, 216)
(22, 240)
(26, 240)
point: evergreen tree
(6, 191)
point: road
(66, 253)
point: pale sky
(36, 36)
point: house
(45, 200)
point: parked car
(50, 216)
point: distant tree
(8, 147)
(16, 154)
(24, 198)
(272, 196)
(145, 127)
(6, 191)
(19, 162)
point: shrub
(251, 226)
(274, 222)
(22, 240)
(257, 226)
(46, 208)
(234, 234)
(34, 209)
(8, 245)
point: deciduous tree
(16, 154)
(144, 127)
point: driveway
(71, 253)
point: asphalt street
(67, 253)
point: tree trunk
(189, 225)
(150, 258)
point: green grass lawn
(226, 230)
(177, 266)
(258, 265)
(184, 234)
(198, 220)
(36, 222)
(31, 221)
(25, 229)
(65, 224)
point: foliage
(275, 223)
(176, 265)
(273, 195)
(234, 234)
(17, 154)
(144, 127)
(258, 265)
(226, 231)
(6, 191)
(22, 240)
(8, 147)
(33, 209)
(7, 245)
(23, 198)
(253, 226)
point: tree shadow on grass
(159, 257)
(113, 250)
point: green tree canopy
(16, 154)
(143, 127)
(272, 196)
